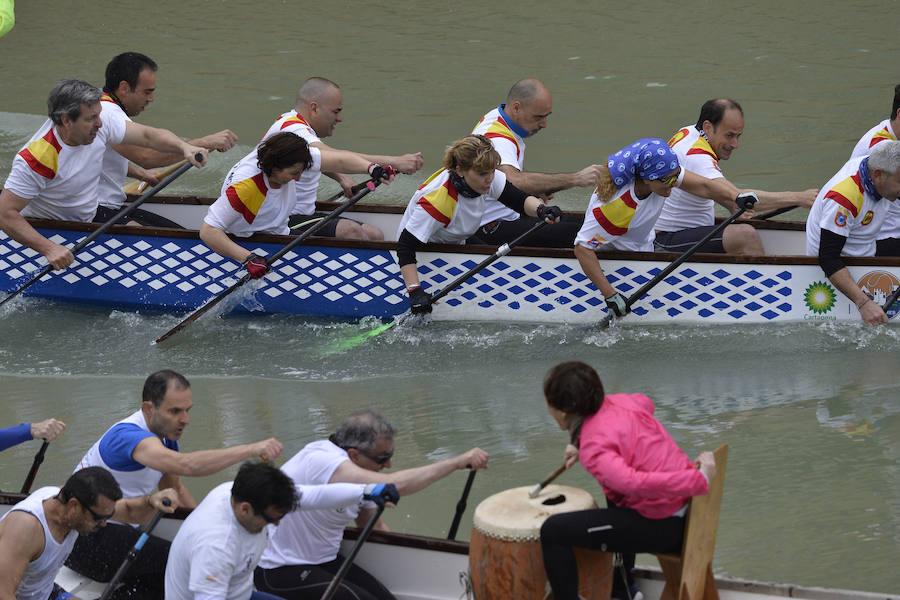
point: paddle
(137, 186)
(369, 186)
(538, 487)
(891, 300)
(38, 459)
(774, 213)
(132, 554)
(126, 210)
(501, 251)
(356, 188)
(461, 506)
(744, 202)
(342, 572)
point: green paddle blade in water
(339, 346)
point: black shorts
(300, 223)
(557, 235)
(681, 241)
(887, 247)
(143, 217)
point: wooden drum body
(505, 548)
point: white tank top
(37, 581)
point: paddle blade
(340, 346)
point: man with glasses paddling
(38, 533)
(142, 452)
(302, 555)
(688, 216)
(215, 551)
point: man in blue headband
(686, 218)
(528, 104)
(847, 217)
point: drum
(505, 548)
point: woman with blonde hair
(449, 206)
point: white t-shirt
(311, 537)
(37, 581)
(115, 166)
(881, 133)
(683, 210)
(61, 180)
(213, 554)
(309, 180)
(437, 213)
(844, 208)
(511, 148)
(624, 222)
(248, 204)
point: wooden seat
(689, 575)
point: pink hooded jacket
(636, 461)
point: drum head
(512, 515)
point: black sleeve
(406, 248)
(830, 247)
(513, 197)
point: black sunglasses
(97, 517)
(266, 517)
(377, 458)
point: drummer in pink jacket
(646, 477)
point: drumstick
(537, 488)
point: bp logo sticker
(820, 297)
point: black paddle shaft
(461, 506)
(38, 459)
(342, 572)
(126, 210)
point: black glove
(381, 493)
(746, 201)
(257, 266)
(617, 305)
(383, 172)
(419, 301)
(554, 213)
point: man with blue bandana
(528, 104)
(847, 217)
(626, 203)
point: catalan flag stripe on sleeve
(615, 216)
(882, 136)
(42, 155)
(247, 196)
(849, 194)
(441, 203)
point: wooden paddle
(461, 506)
(369, 186)
(38, 459)
(744, 202)
(137, 186)
(126, 210)
(132, 554)
(501, 251)
(538, 487)
(342, 572)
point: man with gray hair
(528, 104)
(302, 555)
(316, 112)
(55, 175)
(847, 216)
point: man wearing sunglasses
(38, 533)
(215, 551)
(687, 217)
(302, 555)
(142, 453)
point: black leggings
(610, 529)
(100, 554)
(308, 582)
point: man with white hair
(847, 216)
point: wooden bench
(689, 574)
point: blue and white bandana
(647, 158)
(866, 179)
